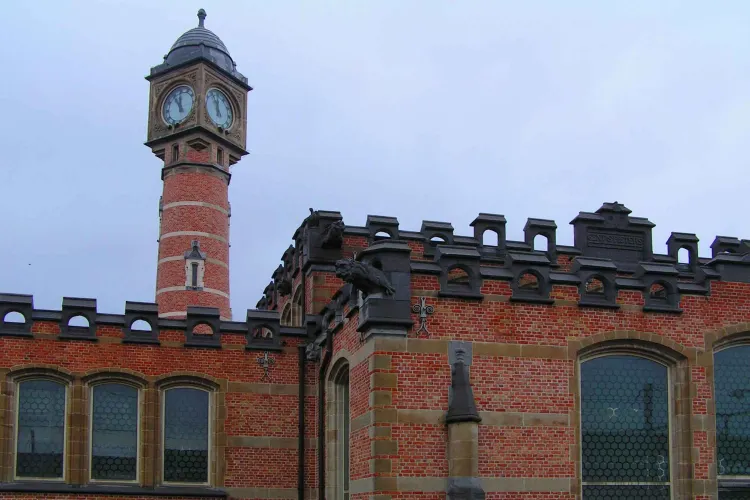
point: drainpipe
(301, 464)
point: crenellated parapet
(612, 251)
(78, 320)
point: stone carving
(607, 239)
(366, 278)
(333, 235)
(312, 352)
(284, 287)
(262, 304)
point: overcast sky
(431, 110)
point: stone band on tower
(197, 126)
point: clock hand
(179, 103)
(216, 105)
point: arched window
(341, 426)
(625, 415)
(114, 432)
(732, 393)
(186, 431)
(286, 315)
(297, 307)
(40, 429)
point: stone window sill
(112, 489)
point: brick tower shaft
(193, 266)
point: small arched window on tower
(175, 152)
(220, 156)
(195, 266)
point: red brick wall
(202, 186)
(255, 407)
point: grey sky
(419, 109)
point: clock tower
(197, 126)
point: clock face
(178, 104)
(219, 109)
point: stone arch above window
(41, 371)
(187, 379)
(107, 375)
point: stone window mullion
(77, 439)
(150, 438)
(6, 430)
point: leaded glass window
(40, 438)
(624, 429)
(186, 428)
(732, 392)
(114, 432)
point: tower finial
(201, 18)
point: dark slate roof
(199, 43)
(189, 43)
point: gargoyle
(365, 278)
(284, 287)
(333, 235)
(262, 304)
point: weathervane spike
(201, 18)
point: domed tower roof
(199, 43)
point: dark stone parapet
(612, 251)
(262, 329)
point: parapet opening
(457, 276)
(382, 235)
(203, 329)
(490, 238)
(541, 243)
(683, 256)
(140, 325)
(595, 286)
(437, 239)
(528, 281)
(14, 317)
(658, 291)
(262, 332)
(79, 321)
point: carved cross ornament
(423, 310)
(266, 362)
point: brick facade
(334, 366)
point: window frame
(342, 444)
(67, 388)
(90, 432)
(162, 434)
(673, 460)
(743, 342)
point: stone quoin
(380, 362)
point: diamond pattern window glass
(114, 432)
(732, 392)
(186, 427)
(40, 439)
(624, 429)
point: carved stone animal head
(344, 269)
(333, 235)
